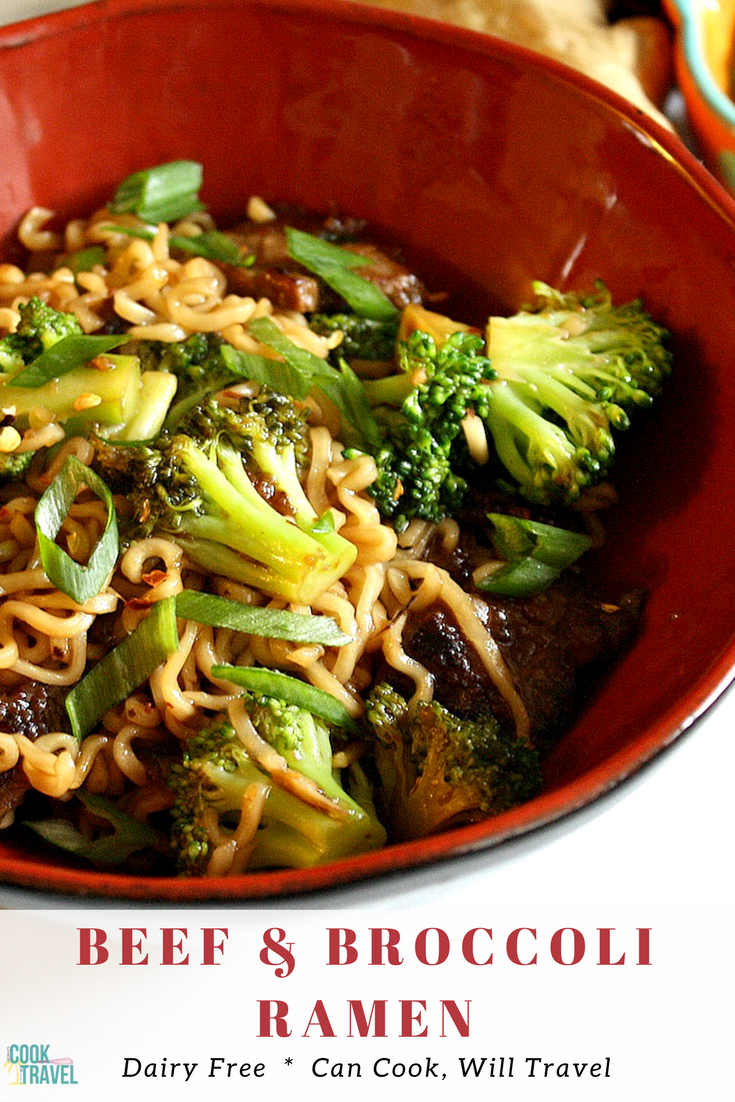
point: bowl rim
(545, 809)
(253, 888)
(26, 32)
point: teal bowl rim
(691, 41)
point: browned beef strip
(549, 643)
(394, 279)
(32, 709)
(289, 286)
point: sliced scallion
(64, 356)
(269, 623)
(335, 266)
(289, 689)
(523, 578)
(303, 369)
(78, 581)
(84, 260)
(536, 553)
(125, 668)
(210, 244)
(516, 536)
(346, 391)
(300, 371)
(160, 194)
(128, 834)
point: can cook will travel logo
(31, 1064)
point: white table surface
(663, 839)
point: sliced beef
(551, 644)
(32, 709)
(289, 286)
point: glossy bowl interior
(705, 72)
(493, 167)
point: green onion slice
(249, 365)
(84, 260)
(289, 689)
(536, 553)
(323, 524)
(128, 836)
(211, 244)
(123, 669)
(161, 194)
(74, 579)
(515, 537)
(269, 623)
(64, 355)
(346, 391)
(334, 265)
(523, 578)
(303, 369)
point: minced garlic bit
(9, 439)
(102, 363)
(87, 401)
(259, 211)
(476, 437)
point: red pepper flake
(139, 602)
(155, 577)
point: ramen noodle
(148, 289)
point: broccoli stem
(286, 560)
(528, 446)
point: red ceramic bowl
(494, 167)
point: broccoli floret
(298, 829)
(438, 770)
(225, 484)
(197, 363)
(568, 375)
(421, 410)
(39, 328)
(362, 338)
(192, 359)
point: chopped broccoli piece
(197, 363)
(362, 338)
(39, 328)
(196, 359)
(117, 388)
(438, 770)
(421, 410)
(225, 484)
(13, 465)
(75, 369)
(295, 831)
(568, 374)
